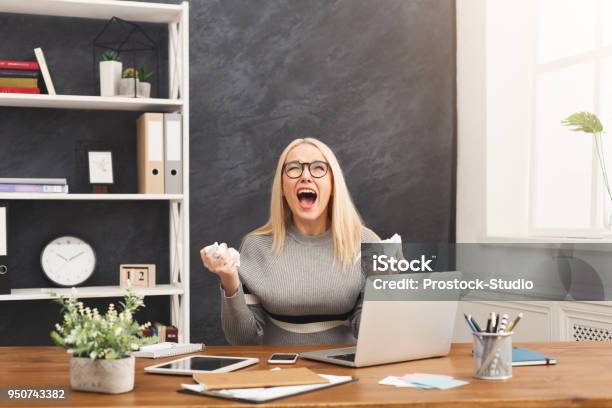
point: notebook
(259, 395)
(258, 379)
(524, 357)
(167, 349)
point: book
(167, 349)
(161, 331)
(14, 89)
(524, 357)
(21, 65)
(19, 82)
(33, 188)
(56, 181)
(40, 57)
(18, 73)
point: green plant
(84, 332)
(583, 122)
(129, 73)
(110, 56)
(144, 75)
(588, 122)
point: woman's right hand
(220, 263)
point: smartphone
(283, 358)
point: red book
(12, 89)
(29, 65)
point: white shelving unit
(91, 197)
(91, 292)
(89, 102)
(176, 16)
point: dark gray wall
(375, 80)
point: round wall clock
(68, 261)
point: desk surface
(582, 378)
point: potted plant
(144, 88)
(100, 345)
(589, 123)
(129, 83)
(110, 73)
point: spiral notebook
(167, 349)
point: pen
(488, 329)
(503, 323)
(514, 322)
(493, 318)
(469, 322)
(478, 329)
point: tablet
(201, 364)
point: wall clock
(68, 261)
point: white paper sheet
(265, 394)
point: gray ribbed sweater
(302, 283)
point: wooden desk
(582, 378)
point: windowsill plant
(587, 122)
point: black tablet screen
(201, 363)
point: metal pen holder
(492, 356)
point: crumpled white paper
(220, 249)
(394, 239)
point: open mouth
(307, 198)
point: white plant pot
(129, 87)
(110, 75)
(107, 376)
(144, 90)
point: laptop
(391, 331)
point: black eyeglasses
(317, 169)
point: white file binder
(5, 287)
(174, 153)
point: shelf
(101, 197)
(96, 9)
(91, 292)
(90, 102)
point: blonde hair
(346, 225)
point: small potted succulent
(100, 345)
(144, 88)
(130, 83)
(110, 73)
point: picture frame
(100, 167)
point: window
(572, 71)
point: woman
(299, 280)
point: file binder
(150, 152)
(5, 287)
(174, 153)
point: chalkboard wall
(375, 80)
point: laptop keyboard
(345, 357)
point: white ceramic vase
(106, 376)
(110, 75)
(144, 90)
(129, 87)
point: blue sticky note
(441, 383)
